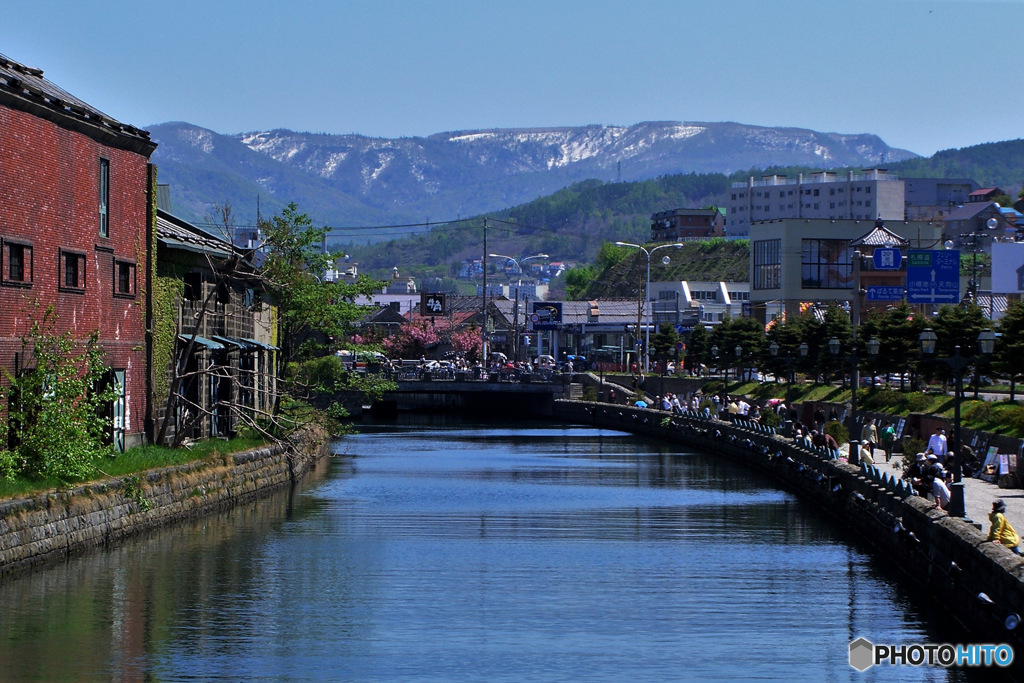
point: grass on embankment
(132, 461)
(998, 417)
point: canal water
(443, 550)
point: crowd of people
(927, 472)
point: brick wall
(50, 201)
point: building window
(825, 264)
(767, 264)
(867, 189)
(17, 266)
(72, 270)
(124, 278)
(104, 198)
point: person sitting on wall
(936, 477)
(1001, 531)
(867, 454)
(915, 474)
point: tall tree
(1010, 345)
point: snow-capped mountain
(347, 180)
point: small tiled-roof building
(75, 217)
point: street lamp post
(833, 346)
(515, 308)
(773, 349)
(991, 224)
(647, 294)
(739, 362)
(986, 341)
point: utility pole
(484, 297)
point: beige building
(875, 193)
(797, 261)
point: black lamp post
(739, 362)
(986, 341)
(773, 349)
(834, 346)
(714, 356)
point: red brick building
(75, 217)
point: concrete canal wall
(945, 560)
(51, 526)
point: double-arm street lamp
(987, 342)
(647, 294)
(834, 346)
(515, 308)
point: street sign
(680, 329)
(884, 293)
(933, 276)
(887, 258)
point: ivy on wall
(167, 292)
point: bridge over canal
(528, 395)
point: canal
(436, 549)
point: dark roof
(176, 233)
(969, 210)
(23, 87)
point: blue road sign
(884, 293)
(933, 277)
(887, 258)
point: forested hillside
(991, 164)
(573, 223)
(570, 225)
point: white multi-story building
(824, 195)
(688, 301)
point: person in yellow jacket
(1001, 530)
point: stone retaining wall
(945, 560)
(53, 525)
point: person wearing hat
(1001, 530)
(914, 473)
(935, 478)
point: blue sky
(922, 74)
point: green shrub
(770, 419)
(979, 412)
(883, 400)
(323, 374)
(838, 431)
(590, 394)
(918, 403)
(715, 386)
(1015, 420)
(912, 445)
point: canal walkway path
(978, 495)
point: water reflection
(440, 551)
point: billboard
(546, 315)
(432, 304)
(1007, 267)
